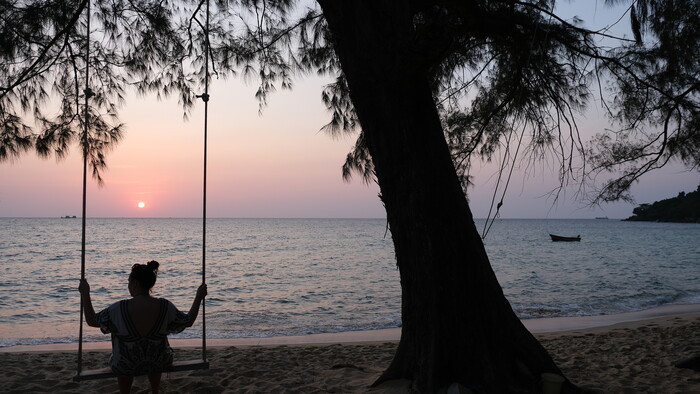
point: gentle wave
(624, 306)
(279, 277)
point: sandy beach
(628, 357)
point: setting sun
(141, 204)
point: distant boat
(68, 217)
(601, 217)
(559, 238)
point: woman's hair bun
(145, 274)
(153, 265)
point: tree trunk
(457, 324)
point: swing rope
(205, 98)
(86, 128)
(178, 365)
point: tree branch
(23, 76)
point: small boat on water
(559, 238)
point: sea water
(272, 277)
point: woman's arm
(88, 310)
(194, 311)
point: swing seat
(103, 373)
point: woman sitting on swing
(139, 327)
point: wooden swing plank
(103, 373)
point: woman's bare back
(144, 313)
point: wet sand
(610, 356)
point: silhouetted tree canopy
(509, 76)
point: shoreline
(627, 356)
(540, 327)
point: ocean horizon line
(279, 217)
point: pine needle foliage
(502, 71)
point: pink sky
(274, 165)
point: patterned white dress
(133, 354)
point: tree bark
(457, 324)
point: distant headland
(685, 208)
